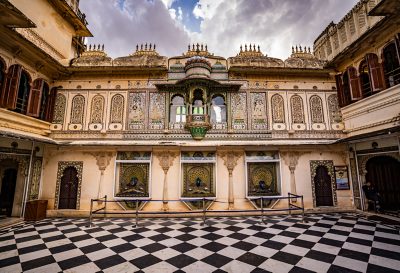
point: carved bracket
(166, 159)
(291, 159)
(230, 159)
(102, 159)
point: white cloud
(226, 24)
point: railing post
(262, 209)
(90, 213)
(302, 207)
(290, 211)
(204, 211)
(105, 206)
(137, 213)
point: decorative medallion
(198, 180)
(262, 179)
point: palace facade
(76, 125)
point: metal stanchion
(137, 213)
(262, 209)
(204, 211)
(105, 206)
(90, 213)
(302, 207)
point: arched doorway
(384, 174)
(323, 187)
(69, 189)
(8, 184)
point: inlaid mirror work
(198, 177)
(263, 176)
(132, 178)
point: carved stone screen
(198, 174)
(132, 175)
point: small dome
(218, 66)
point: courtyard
(344, 242)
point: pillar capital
(166, 159)
(230, 159)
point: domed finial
(206, 48)
(197, 47)
(145, 47)
(301, 50)
(254, 47)
(189, 47)
(245, 47)
(297, 49)
(193, 47)
(150, 46)
(154, 47)
(259, 48)
(309, 50)
(137, 47)
(141, 46)
(102, 47)
(292, 49)
(241, 49)
(90, 47)
(202, 47)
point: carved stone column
(230, 161)
(166, 159)
(291, 159)
(102, 160)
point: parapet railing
(291, 198)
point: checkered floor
(326, 243)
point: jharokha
(76, 124)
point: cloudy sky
(223, 25)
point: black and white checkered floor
(326, 243)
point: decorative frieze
(136, 111)
(239, 112)
(259, 111)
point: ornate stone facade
(259, 111)
(59, 109)
(97, 109)
(278, 109)
(297, 109)
(77, 109)
(117, 109)
(136, 111)
(316, 109)
(239, 116)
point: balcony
(373, 113)
(69, 9)
(197, 122)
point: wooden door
(68, 189)
(323, 187)
(384, 174)
(7, 191)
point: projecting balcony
(379, 111)
(198, 123)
